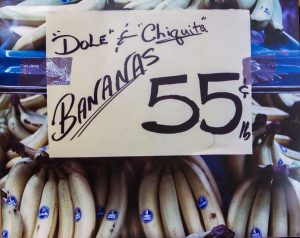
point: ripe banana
(169, 208)
(148, 202)
(273, 113)
(116, 205)
(30, 202)
(3, 181)
(142, 4)
(32, 40)
(35, 15)
(259, 217)
(15, 126)
(279, 218)
(206, 199)
(47, 213)
(246, 4)
(171, 4)
(277, 18)
(34, 141)
(198, 160)
(75, 166)
(264, 152)
(293, 206)
(65, 207)
(262, 14)
(84, 205)
(46, 2)
(34, 101)
(5, 101)
(32, 121)
(12, 222)
(16, 182)
(100, 189)
(42, 111)
(186, 201)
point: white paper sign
(150, 83)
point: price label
(150, 83)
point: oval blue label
(112, 215)
(280, 162)
(12, 200)
(284, 149)
(4, 234)
(255, 233)
(147, 216)
(100, 212)
(77, 214)
(202, 202)
(44, 212)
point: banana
(262, 13)
(16, 182)
(243, 209)
(279, 218)
(206, 199)
(32, 121)
(142, 4)
(35, 141)
(75, 166)
(242, 195)
(42, 111)
(258, 223)
(47, 213)
(15, 126)
(100, 189)
(282, 139)
(293, 207)
(14, 161)
(295, 155)
(21, 30)
(84, 205)
(116, 206)
(46, 2)
(264, 151)
(273, 113)
(35, 15)
(34, 101)
(32, 40)
(246, 4)
(5, 101)
(296, 186)
(186, 201)
(169, 208)
(148, 202)
(277, 18)
(197, 4)
(31, 201)
(3, 181)
(171, 4)
(65, 206)
(12, 222)
(198, 160)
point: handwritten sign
(150, 83)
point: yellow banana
(142, 4)
(148, 203)
(293, 206)
(259, 217)
(12, 222)
(47, 213)
(264, 150)
(5, 101)
(16, 182)
(30, 202)
(84, 206)
(186, 201)
(116, 205)
(206, 199)
(3, 181)
(46, 2)
(279, 218)
(171, 4)
(65, 206)
(246, 4)
(34, 101)
(75, 166)
(42, 111)
(15, 126)
(169, 207)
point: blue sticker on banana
(4, 234)
(255, 233)
(77, 214)
(283, 149)
(100, 212)
(147, 216)
(12, 200)
(280, 162)
(202, 202)
(112, 215)
(44, 212)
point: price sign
(150, 83)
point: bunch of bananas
(178, 197)
(60, 201)
(266, 206)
